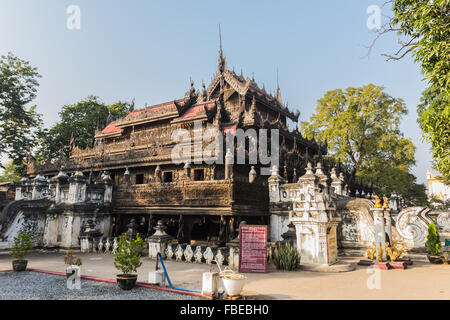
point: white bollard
(209, 286)
(157, 277)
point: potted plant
(445, 258)
(286, 257)
(433, 244)
(72, 262)
(127, 259)
(22, 244)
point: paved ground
(39, 286)
(420, 281)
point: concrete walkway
(420, 281)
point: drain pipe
(168, 279)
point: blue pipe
(168, 279)
(170, 282)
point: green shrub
(286, 257)
(433, 241)
(71, 260)
(128, 254)
(22, 244)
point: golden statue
(385, 203)
(393, 253)
(371, 252)
(377, 202)
(380, 253)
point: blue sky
(148, 50)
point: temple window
(199, 175)
(168, 177)
(139, 179)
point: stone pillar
(274, 185)
(388, 225)
(71, 230)
(233, 258)
(50, 230)
(337, 183)
(290, 235)
(40, 187)
(313, 216)
(57, 182)
(22, 189)
(380, 231)
(158, 241)
(77, 187)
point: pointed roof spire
(278, 94)
(220, 39)
(221, 58)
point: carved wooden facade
(137, 149)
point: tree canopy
(77, 125)
(426, 26)
(10, 173)
(19, 124)
(434, 120)
(424, 31)
(361, 127)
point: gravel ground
(28, 285)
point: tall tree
(423, 28)
(10, 173)
(78, 124)
(19, 125)
(434, 120)
(361, 126)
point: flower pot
(126, 281)
(232, 282)
(19, 265)
(434, 259)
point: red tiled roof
(111, 128)
(195, 110)
(230, 128)
(154, 108)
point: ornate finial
(309, 168)
(220, 39)
(221, 58)
(132, 106)
(377, 202)
(278, 93)
(385, 203)
(192, 89)
(204, 95)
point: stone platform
(339, 266)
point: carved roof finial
(278, 93)
(204, 95)
(221, 58)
